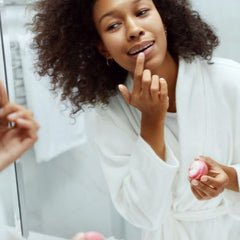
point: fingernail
(1, 111)
(204, 179)
(120, 87)
(21, 120)
(121, 90)
(12, 116)
(194, 182)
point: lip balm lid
(197, 169)
(194, 168)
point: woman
(175, 103)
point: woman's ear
(103, 50)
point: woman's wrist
(3, 162)
(233, 179)
(153, 133)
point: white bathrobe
(155, 195)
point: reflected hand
(88, 236)
(15, 140)
(212, 184)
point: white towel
(57, 132)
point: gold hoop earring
(108, 61)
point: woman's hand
(18, 130)
(212, 184)
(149, 94)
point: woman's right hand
(149, 94)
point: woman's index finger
(137, 80)
(3, 95)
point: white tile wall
(225, 17)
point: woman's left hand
(15, 139)
(212, 184)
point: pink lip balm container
(197, 169)
(93, 236)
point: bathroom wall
(224, 17)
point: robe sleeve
(232, 198)
(233, 93)
(140, 183)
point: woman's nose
(134, 30)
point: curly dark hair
(66, 44)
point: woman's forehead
(104, 7)
(115, 3)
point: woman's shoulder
(221, 71)
(223, 75)
(117, 105)
(225, 62)
(114, 105)
(118, 112)
(222, 67)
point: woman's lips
(142, 47)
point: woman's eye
(113, 26)
(142, 12)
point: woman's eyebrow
(105, 15)
(112, 12)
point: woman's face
(128, 27)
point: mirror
(61, 186)
(10, 217)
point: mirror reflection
(65, 182)
(17, 133)
(7, 177)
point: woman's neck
(170, 74)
